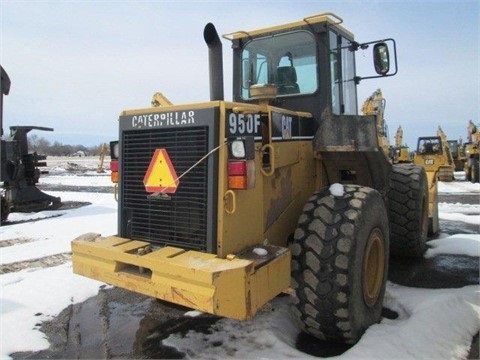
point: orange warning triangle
(160, 175)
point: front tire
(340, 263)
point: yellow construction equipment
(401, 152)
(375, 105)
(222, 205)
(458, 154)
(103, 153)
(434, 155)
(472, 153)
(446, 167)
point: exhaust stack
(215, 62)
(4, 90)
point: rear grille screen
(181, 220)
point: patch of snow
(193, 313)
(460, 244)
(337, 190)
(260, 251)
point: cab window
(286, 60)
(342, 74)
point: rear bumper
(235, 287)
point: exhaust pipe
(215, 62)
(4, 90)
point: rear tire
(4, 208)
(445, 174)
(475, 171)
(340, 263)
(468, 173)
(408, 210)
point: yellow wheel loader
(435, 158)
(223, 205)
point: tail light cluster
(114, 152)
(240, 167)
(241, 164)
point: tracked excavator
(472, 153)
(401, 151)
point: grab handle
(271, 160)
(233, 201)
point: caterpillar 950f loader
(225, 204)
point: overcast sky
(75, 65)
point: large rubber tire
(475, 171)
(408, 210)
(4, 208)
(468, 173)
(340, 263)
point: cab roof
(327, 17)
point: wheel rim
(373, 267)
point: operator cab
(431, 145)
(311, 63)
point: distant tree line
(43, 146)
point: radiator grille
(182, 220)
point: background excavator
(20, 169)
(472, 153)
(401, 152)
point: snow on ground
(88, 179)
(432, 323)
(465, 213)
(458, 187)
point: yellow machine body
(434, 158)
(234, 287)
(222, 205)
(235, 282)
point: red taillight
(114, 171)
(241, 174)
(114, 165)
(237, 168)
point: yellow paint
(234, 288)
(223, 283)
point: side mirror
(381, 58)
